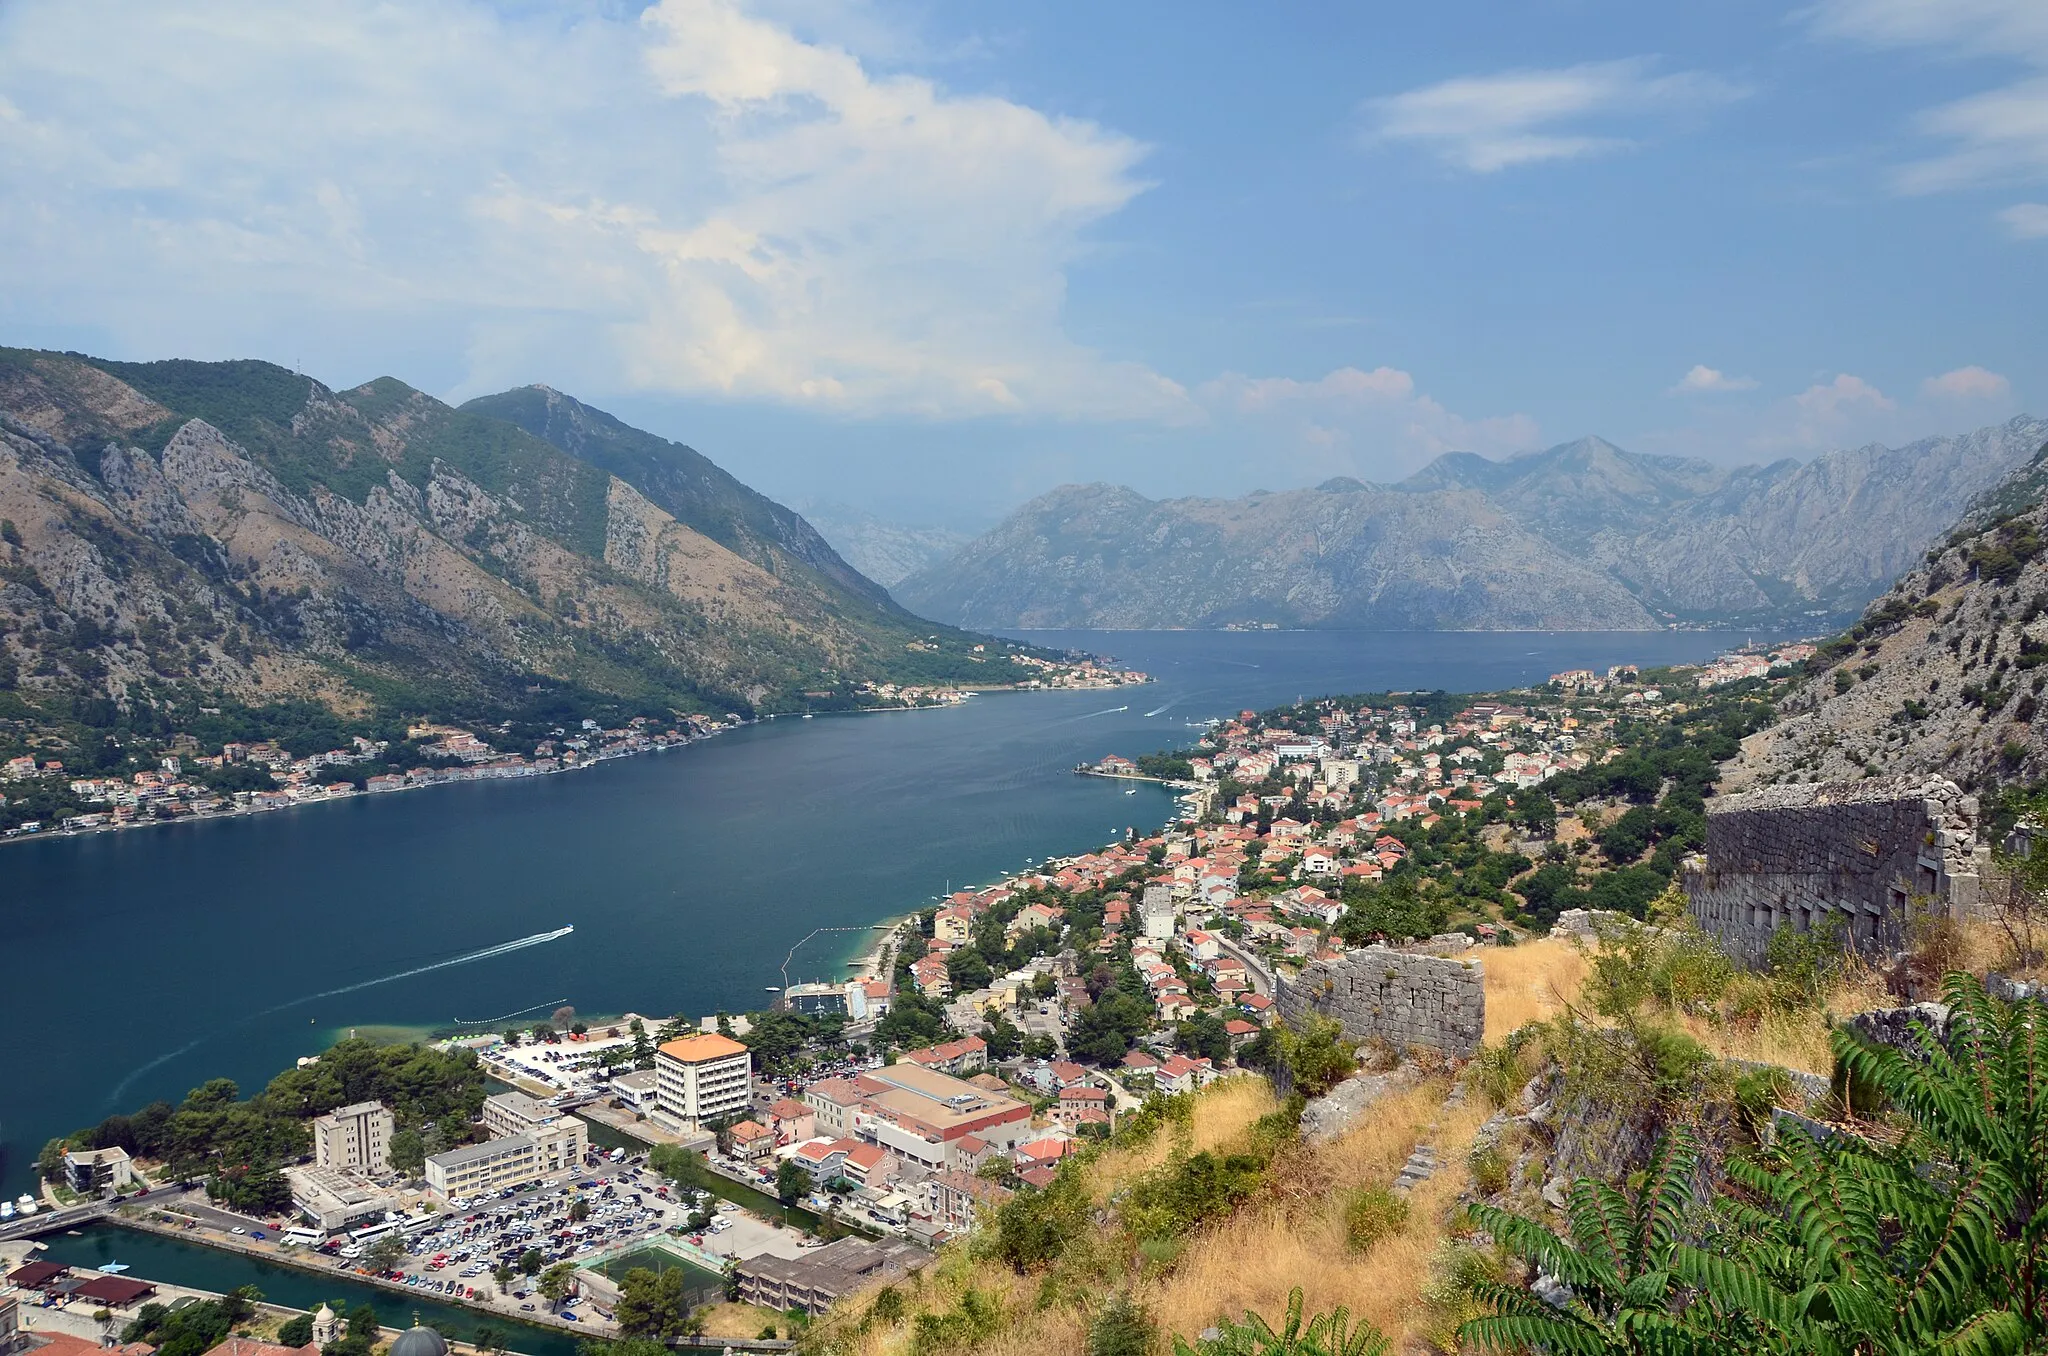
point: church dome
(418, 1341)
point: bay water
(138, 964)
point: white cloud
(1490, 122)
(2026, 220)
(1826, 400)
(1968, 383)
(1706, 380)
(696, 201)
(1372, 424)
(1999, 135)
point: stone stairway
(1422, 1164)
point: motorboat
(24, 1204)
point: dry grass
(1799, 1039)
(1222, 1113)
(739, 1320)
(1295, 1234)
(1530, 982)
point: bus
(301, 1238)
(364, 1237)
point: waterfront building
(89, 1172)
(514, 1113)
(512, 1160)
(701, 1078)
(332, 1199)
(812, 1282)
(357, 1136)
(635, 1089)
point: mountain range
(1944, 672)
(885, 552)
(189, 532)
(1582, 536)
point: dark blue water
(139, 964)
(173, 1261)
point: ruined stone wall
(1400, 998)
(1859, 852)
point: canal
(173, 1261)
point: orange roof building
(701, 1078)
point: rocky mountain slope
(194, 531)
(1682, 540)
(885, 552)
(1343, 554)
(1944, 673)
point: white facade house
(704, 1078)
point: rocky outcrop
(1943, 676)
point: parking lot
(456, 1257)
(570, 1065)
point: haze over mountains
(884, 551)
(1582, 536)
(237, 530)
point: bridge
(70, 1217)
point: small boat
(114, 1268)
(24, 1204)
(6, 1209)
(1130, 790)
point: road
(1255, 969)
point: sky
(931, 260)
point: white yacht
(6, 1209)
(24, 1204)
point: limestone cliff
(1944, 673)
(174, 530)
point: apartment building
(356, 1136)
(510, 1160)
(700, 1079)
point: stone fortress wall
(1862, 852)
(1399, 997)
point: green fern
(1938, 1244)
(1615, 1258)
(1328, 1334)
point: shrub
(1805, 965)
(1490, 1169)
(1372, 1215)
(1120, 1328)
(1756, 1092)
(1496, 1073)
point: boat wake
(501, 949)
(485, 953)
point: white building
(513, 1160)
(514, 1113)
(702, 1078)
(331, 1199)
(357, 1136)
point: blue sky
(934, 259)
